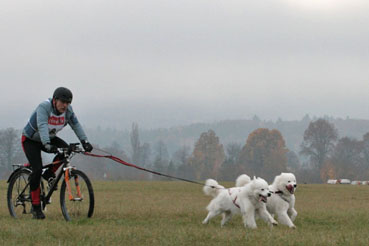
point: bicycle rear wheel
(19, 194)
(78, 202)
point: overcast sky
(172, 62)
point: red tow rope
(116, 159)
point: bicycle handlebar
(73, 147)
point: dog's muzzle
(263, 198)
(291, 188)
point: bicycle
(76, 198)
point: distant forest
(228, 131)
(222, 150)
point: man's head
(62, 97)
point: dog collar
(281, 195)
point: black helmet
(63, 94)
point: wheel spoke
(19, 202)
(81, 202)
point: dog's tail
(212, 188)
(242, 180)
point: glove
(51, 148)
(86, 146)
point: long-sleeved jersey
(44, 123)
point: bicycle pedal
(50, 182)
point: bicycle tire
(19, 204)
(79, 207)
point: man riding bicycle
(50, 117)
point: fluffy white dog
(247, 200)
(282, 201)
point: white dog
(247, 200)
(282, 201)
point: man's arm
(76, 126)
(42, 123)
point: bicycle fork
(69, 188)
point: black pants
(32, 149)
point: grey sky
(163, 63)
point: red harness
(234, 200)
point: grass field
(170, 213)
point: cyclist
(40, 135)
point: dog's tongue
(290, 188)
(262, 199)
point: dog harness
(280, 193)
(233, 200)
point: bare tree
(181, 155)
(233, 151)
(230, 168)
(10, 149)
(293, 161)
(181, 158)
(319, 141)
(347, 159)
(135, 143)
(145, 153)
(365, 143)
(161, 159)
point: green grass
(170, 213)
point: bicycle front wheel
(77, 198)
(19, 194)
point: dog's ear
(276, 179)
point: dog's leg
(291, 209)
(226, 217)
(284, 219)
(249, 218)
(211, 214)
(292, 213)
(265, 215)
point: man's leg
(60, 143)
(49, 174)
(32, 150)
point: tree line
(322, 155)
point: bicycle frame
(65, 169)
(73, 203)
